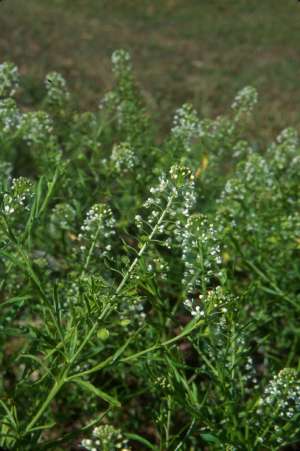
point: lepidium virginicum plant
(149, 284)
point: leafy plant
(149, 288)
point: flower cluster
(9, 79)
(70, 294)
(242, 149)
(123, 158)
(245, 194)
(183, 184)
(139, 221)
(10, 116)
(282, 395)
(161, 190)
(106, 438)
(160, 266)
(162, 383)
(18, 197)
(180, 175)
(124, 104)
(121, 62)
(186, 125)
(108, 101)
(195, 309)
(97, 230)
(201, 255)
(248, 370)
(131, 312)
(36, 128)
(212, 302)
(289, 136)
(177, 192)
(284, 153)
(278, 408)
(245, 101)
(57, 93)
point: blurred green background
(201, 51)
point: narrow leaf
(96, 391)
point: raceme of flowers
(97, 230)
(18, 197)
(106, 438)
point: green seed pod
(103, 334)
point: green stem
(143, 248)
(168, 425)
(155, 347)
(89, 335)
(53, 392)
(91, 250)
(163, 344)
(51, 186)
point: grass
(202, 51)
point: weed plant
(149, 288)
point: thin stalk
(155, 347)
(91, 250)
(53, 392)
(168, 425)
(89, 335)
(144, 247)
(163, 344)
(51, 186)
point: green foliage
(149, 288)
